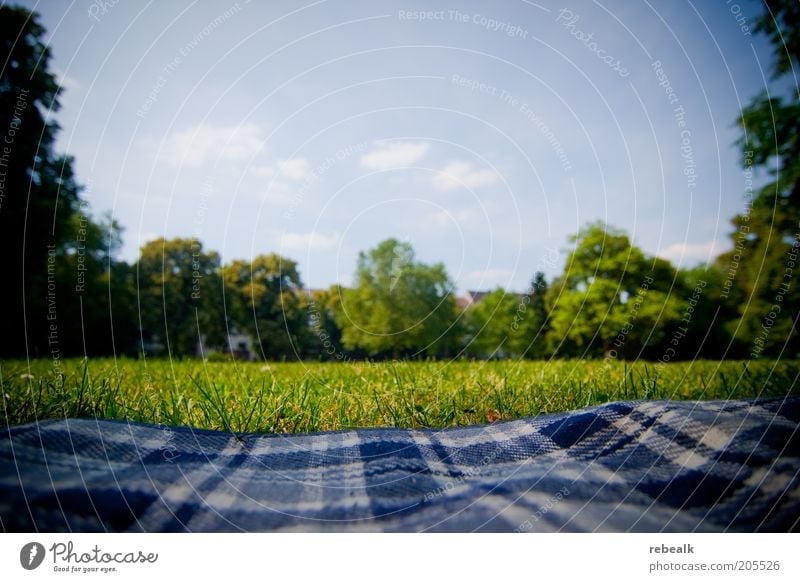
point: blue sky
(483, 134)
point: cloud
(297, 169)
(461, 174)
(459, 217)
(308, 241)
(263, 171)
(688, 254)
(203, 143)
(278, 193)
(396, 154)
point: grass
(301, 397)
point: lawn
(300, 397)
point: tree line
(68, 294)
(612, 300)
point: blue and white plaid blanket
(625, 466)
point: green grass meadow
(302, 397)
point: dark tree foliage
(43, 227)
(264, 299)
(762, 288)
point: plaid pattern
(625, 466)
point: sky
(484, 134)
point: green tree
(508, 325)
(398, 307)
(612, 298)
(96, 293)
(122, 310)
(605, 252)
(61, 262)
(761, 268)
(39, 196)
(180, 296)
(498, 326)
(264, 299)
(584, 321)
(707, 334)
(538, 321)
(326, 336)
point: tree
(612, 298)
(505, 324)
(538, 322)
(605, 252)
(766, 237)
(781, 23)
(39, 196)
(264, 299)
(494, 326)
(326, 336)
(585, 321)
(398, 307)
(180, 296)
(707, 334)
(96, 293)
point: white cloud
(461, 174)
(683, 254)
(297, 169)
(202, 143)
(460, 217)
(263, 171)
(278, 193)
(296, 241)
(396, 154)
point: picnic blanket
(626, 466)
